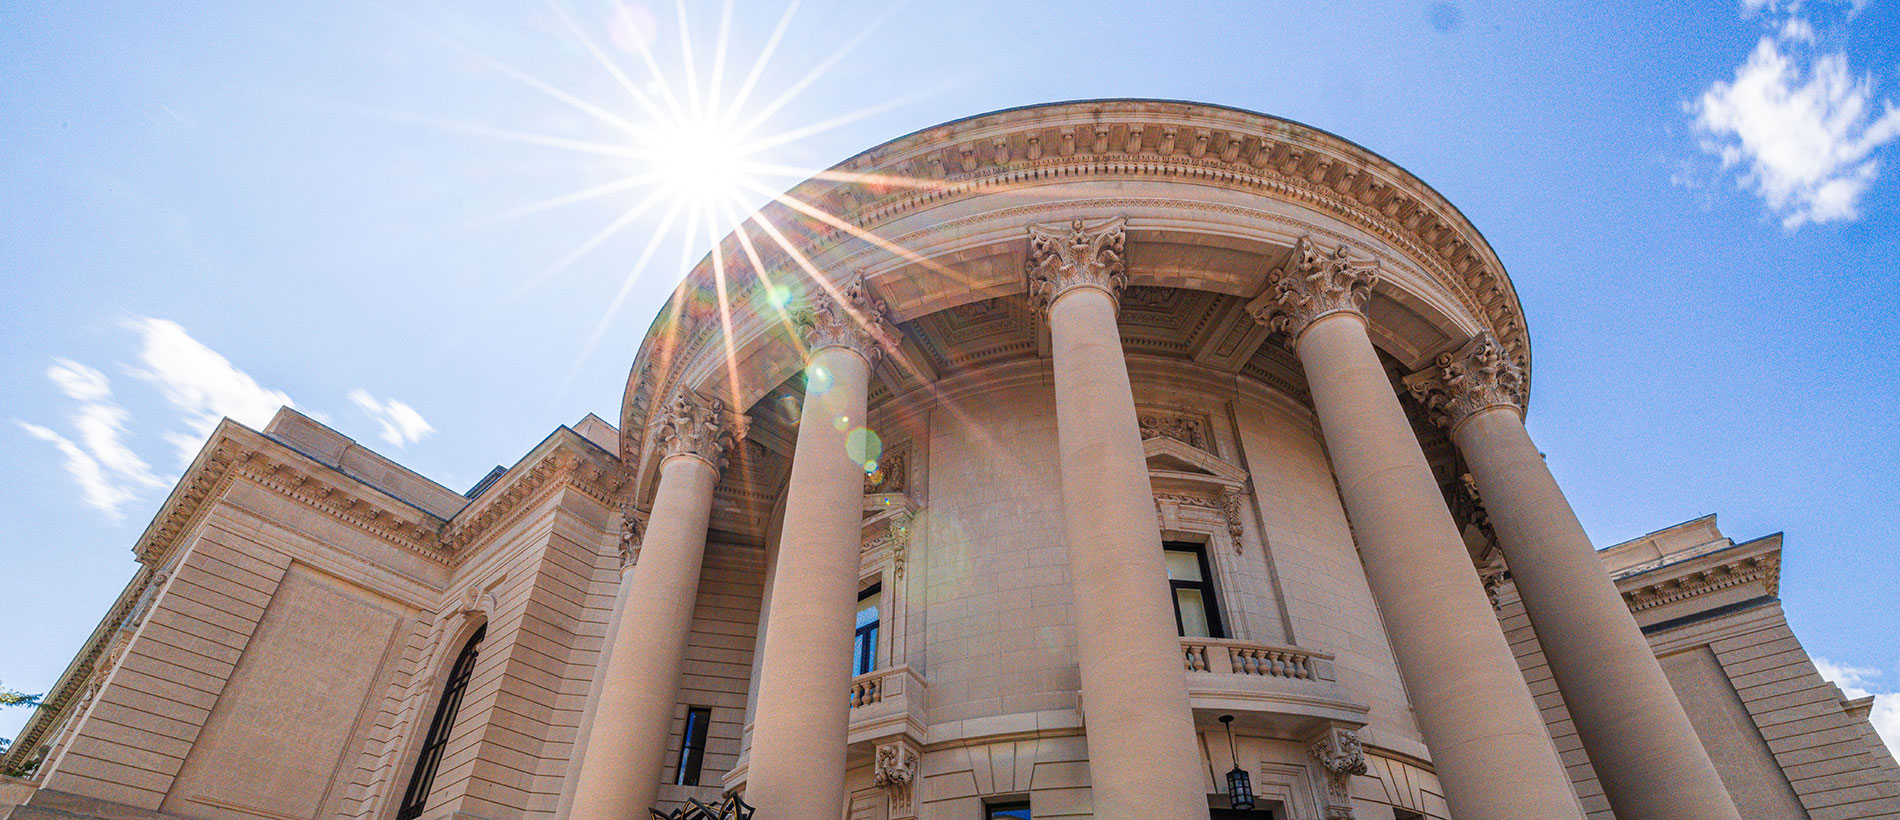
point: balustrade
(1232, 657)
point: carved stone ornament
(632, 533)
(1476, 377)
(1078, 255)
(1341, 756)
(691, 425)
(850, 318)
(1312, 284)
(731, 808)
(1230, 506)
(1189, 430)
(896, 772)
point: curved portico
(1192, 321)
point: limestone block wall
(251, 681)
(1784, 740)
(130, 744)
(1001, 634)
(1543, 686)
(718, 666)
(1783, 728)
(542, 591)
(1329, 604)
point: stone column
(798, 736)
(1488, 742)
(622, 765)
(1645, 752)
(1144, 758)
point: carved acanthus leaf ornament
(850, 317)
(692, 425)
(1078, 255)
(1311, 285)
(1474, 378)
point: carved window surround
(1192, 483)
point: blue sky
(213, 209)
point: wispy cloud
(200, 383)
(401, 424)
(109, 474)
(1859, 682)
(1797, 126)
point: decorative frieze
(848, 317)
(698, 427)
(1078, 255)
(1311, 285)
(1476, 377)
(897, 767)
(1187, 429)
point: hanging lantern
(1239, 783)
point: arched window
(438, 737)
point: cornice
(1752, 562)
(564, 460)
(1202, 144)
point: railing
(882, 685)
(1222, 656)
(867, 689)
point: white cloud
(109, 474)
(201, 383)
(1859, 682)
(1799, 129)
(401, 424)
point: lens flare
(864, 447)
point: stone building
(982, 477)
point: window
(692, 747)
(1195, 613)
(423, 779)
(1402, 814)
(1007, 811)
(864, 651)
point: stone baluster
(1144, 758)
(621, 767)
(1488, 741)
(1645, 752)
(802, 714)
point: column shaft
(1144, 760)
(621, 767)
(799, 732)
(1645, 752)
(1489, 745)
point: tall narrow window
(864, 651)
(1195, 613)
(692, 747)
(424, 777)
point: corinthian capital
(1312, 284)
(850, 318)
(691, 425)
(1077, 256)
(1478, 376)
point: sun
(704, 162)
